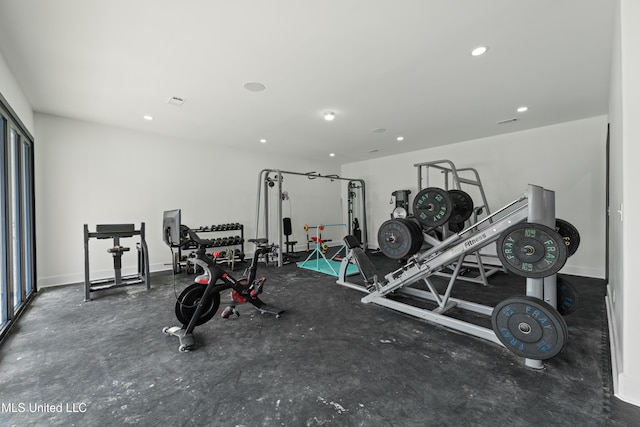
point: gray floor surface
(329, 360)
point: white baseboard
(625, 387)
(68, 279)
(613, 340)
(628, 389)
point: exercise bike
(200, 301)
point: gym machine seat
(288, 231)
(116, 232)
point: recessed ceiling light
(378, 130)
(254, 86)
(400, 138)
(332, 154)
(329, 115)
(264, 141)
(522, 109)
(480, 50)
(147, 117)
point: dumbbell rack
(180, 262)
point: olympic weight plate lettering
(399, 238)
(567, 297)
(531, 250)
(529, 327)
(569, 234)
(432, 207)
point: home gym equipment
(354, 208)
(231, 245)
(401, 209)
(317, 261)
(400, 238)
(530, 326)
(461, 211)
(116, 232)
(317, 238)
(456, 181)
(287, 230)
(266, 181)
(567, 297)
(569, 234)
(432, 207)
(531, 250)
(199, 302)
(453, 178)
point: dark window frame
(24, 183)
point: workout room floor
(329, 360)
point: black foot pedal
(229, 311)
(256, 288)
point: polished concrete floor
(328, 360)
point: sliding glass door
(17, 226)
(4, 278)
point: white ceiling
(402, 65)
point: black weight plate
(432, 207)
(529, 327)
(569, 234)
(416, 233)
(188, 301)
(397, 238)
(456, 227)
(531, 250)
(567, 297)
(462, 206)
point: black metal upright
(116, 232)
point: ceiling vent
(176, 100)
(502, 122)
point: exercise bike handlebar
(197, 239)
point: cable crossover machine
(267, 180)
(527, 245)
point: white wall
(567, 158)
(623, 294)
(10, 89)
(94, 174)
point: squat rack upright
(263, 182)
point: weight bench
(358, 255)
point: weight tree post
(541, 210)
(550, 282)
